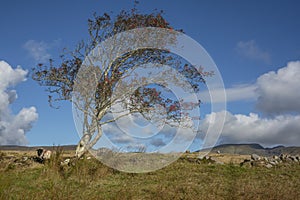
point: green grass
(89, 179)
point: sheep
(43, 154)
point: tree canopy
(73, 75)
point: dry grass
(230, 158)
(184, 179)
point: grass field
(22, 178)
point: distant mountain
(33, 148)
(247, 149)
(241, 149)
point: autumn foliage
(59, 77)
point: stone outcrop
(269, 162)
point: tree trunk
(86, 143)
(80, 149)
(82, 146)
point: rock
(191, 160)
(219, 162)
(88, 158)
(255, 157)
(272, 163)
(65, 162)
(283, 157)
(269, 166)
(293, 158)
(207, 157)
(246, 163)
(218, 152)
(216, 161)
(258, 163)
(198, 161)
(276, 157)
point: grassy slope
(89, 179)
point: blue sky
(246, 39)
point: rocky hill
(248, 149)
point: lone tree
(73, 77)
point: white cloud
(13, 127)
(9, 76)
(236, 93)
(157, 142)
(241, 92)
(279, 92)
(154, 141)
(280, 130)
(38, 50)
(277, 95)
(274, 92)
(251, 50)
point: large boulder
(269, 166)
(255, 157)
